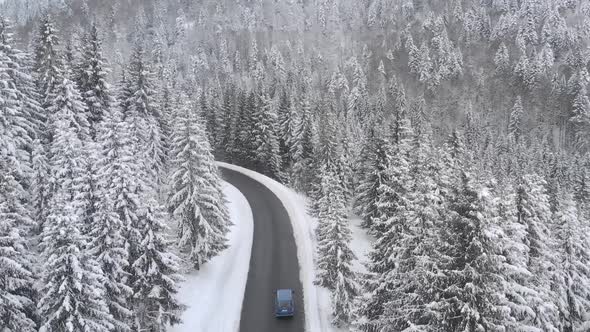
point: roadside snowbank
(214, 294)
(316, 299)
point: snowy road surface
(214, 294)
(273, 262)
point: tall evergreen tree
(155, 281)
(39, 183)
(67, 107)
(327, 158)
(474, 292)
(227, 128)
(72, 280)
(48, 61)
(196, 198)
(66, 96)
(17, 68)
(91, 76)
(574, 277)
(515, 126)
(17, 293)
(266, 152)
(287, 121)
(418, 273)
(142, 112)
(243, 150)
(20, 115)
(209, 114)
(73, 290)
(334, 253)
(111, 218)
(389, 221)
(303, 148)
(581, 119)
(372, 174)
(519, 289)
(534, 215)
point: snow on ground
(316, 299)
(215, 293)
(360, 245)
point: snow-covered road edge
(316, 309)
(214, 294)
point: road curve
(273, 261)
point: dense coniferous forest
(458, 131)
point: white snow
(360, 245)
(215, 293)
(316, 299)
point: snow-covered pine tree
(266, 152)
(331, 212)
(155, 153)
(72, 279)
(515, 125)
(14, 134)
(16, 66)
(334, 253)
(226, 129)
(374, 160)
(348, 153)
(574, 256)
(48, 62)
(303, 148)
(327, 159)
(581, 185)
(123, 181)
(114, 207)
(155, 278)
(143, 113)
(90, 74)
(521, 295)
(418, 272)
(39, 184)
(473, 294)
(581, 119)
(168, 107)
(453, 158)
(393, 199)
(534, 215)
(502, 61)
(124, 92)
(209, 114)
(66, 106)
(196, 198)
(64, 96)
(287, 120)
(20, 117)
(242, 141)
(17, 292)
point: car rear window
(284, 295)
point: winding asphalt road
(273, 261)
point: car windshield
(284, 303)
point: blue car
(284, 304)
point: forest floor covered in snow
(317, 301)
(214, 294)
(360, 245)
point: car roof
(284, 294)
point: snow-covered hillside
(458, 131)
